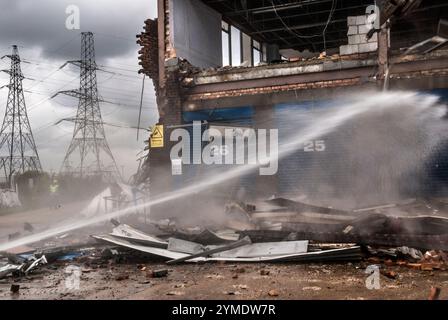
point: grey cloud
(41, 24)
(38, 27)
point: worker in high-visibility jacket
(54, 193)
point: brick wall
(357, 41)
(149, 53)
(172, 94)
(168, 97)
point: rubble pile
(277, 230)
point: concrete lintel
(276, 97)
(364, 71)
(282, 70)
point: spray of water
(416, 105)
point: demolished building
(252, 64)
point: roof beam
(281, 7)
(309, 14)
(300, 27)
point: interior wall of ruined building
(184, 90)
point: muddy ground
(226, 281)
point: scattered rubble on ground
(288, 231)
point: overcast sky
(38, 28)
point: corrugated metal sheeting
(229, 117)
(311, 169)
(327, 166)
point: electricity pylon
(18, 152)
(89, 138)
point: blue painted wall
(307, 171)
(241, 116)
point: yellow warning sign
(157, 140)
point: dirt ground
(104, 279)
(40, 219)
(226, 282)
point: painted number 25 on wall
(315, 146)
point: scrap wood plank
(236, 244)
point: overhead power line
(19, 151)
(89, 137)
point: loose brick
(348, 49)
(352, 30)
(356, 39)
(360, 20)
(351, 21)
(368, 47)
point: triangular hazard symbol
(157, 134)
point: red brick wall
(149, 53)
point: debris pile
(9, 199)
(375, 226)
(213, 248)
(279, 230)
(26, 267)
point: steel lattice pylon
(89, 137)
(18, 152)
